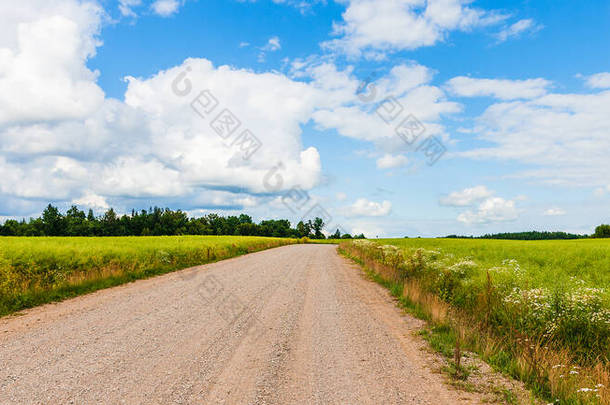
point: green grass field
(546, 263)
(38, 270)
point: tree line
(158, 221)
(531, 235)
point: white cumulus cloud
(466, 197)
(407, 84)
(92, 200)
(599, 80)
(374, 27)
(366, 208)
(493, 209)
(488, 207)
(126, 7)
(553, 212)
(498, 88)
(61, 139)
(273, 44)
(519, 28)
(43, 49)
(389, 161)
(562, 137)
(166, 8)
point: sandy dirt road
(293, 325)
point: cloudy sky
(388, 117)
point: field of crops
(43, 269)
(551, 294)
(547, 263)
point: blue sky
(516, 93)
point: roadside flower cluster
(583, 315)
(591, 391)
(364, 244)
(533, 307)
(509, 270)
(451, 277)
(462, 268)
(578, 315)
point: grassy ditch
(471, 308)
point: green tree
(247, 229)
(215, 222)
(110, 223)
(53, 221)
(303, 230)
(602, 231)
(317, 226)
(76, 222)
(10, 228)
(229, 225)
(35, 227)
(245, 219)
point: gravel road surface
(293, 325)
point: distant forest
(158, 221)
(532, 235)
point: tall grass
(550, 330)
(38, 270)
